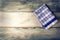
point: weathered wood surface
(30, 33)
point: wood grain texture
(18, 19)
(29, 34)
(28, 6)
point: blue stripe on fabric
(49, 22)
(36, 13)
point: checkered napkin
(45, 16)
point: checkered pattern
(45, 16)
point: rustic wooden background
(30, 33)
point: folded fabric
(45, 16)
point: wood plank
(18, 19)
(30, 5)
(29, 15)
(29, 34)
